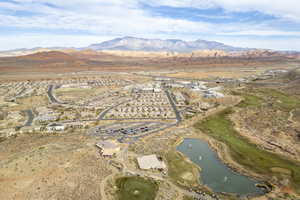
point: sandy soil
(51, 167)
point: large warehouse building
(150, 162)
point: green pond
(215, 174)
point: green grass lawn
(181, 171)
(188, 198)
(250, 100)
(136, 188)
(247, 154)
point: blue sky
(273, 24)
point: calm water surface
(215, 174)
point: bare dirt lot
(50, 167)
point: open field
(29, 102)
(188, 198)
(50, 166)
(55, 61)
(216, 73)
(226, 71)
(136, 188)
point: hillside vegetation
(220, 127)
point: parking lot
(132, 129)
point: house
(174, 85)
(147, 88)
(162, 79)
(108, 147)
(212, 94)
(77, 125)
(55, 127)
(150, 162)
(156, 90)
(179, 98)
(46, 118)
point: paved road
(101, 116)
(30, 117)
(52, 98)
(178, 117)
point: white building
(174, 85)
(46, 118)
(55, 127)
(147, 88)
(157, 90)
(212, 94)
(162, 79)
(108, 147)
(150, 162)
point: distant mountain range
(141, 47)
(169, 45)
(70, 60)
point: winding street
(30, 117)
(101, 116)
(51, 97)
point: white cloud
(263, 33)
(48, 40)
(110, 18)
(290, 43)
(281, 8)
(113, 17)
(203, 4)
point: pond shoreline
(234, 170)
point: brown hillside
(51, 55)
(58, 61)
